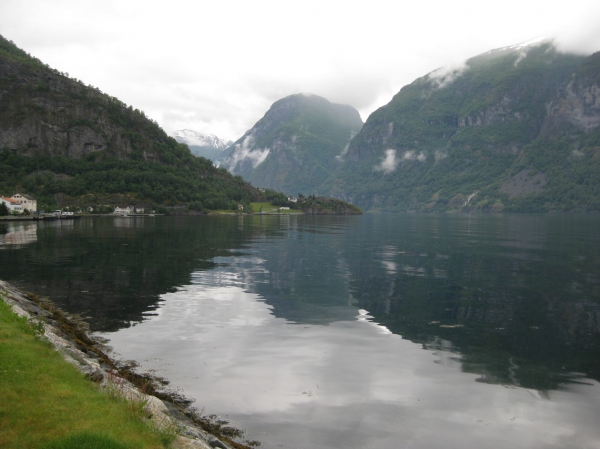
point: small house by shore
(125, 209)
(13, 206)
(27, 201)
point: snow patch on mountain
(191, 137)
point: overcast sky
(217, 66)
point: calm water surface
(412, 331)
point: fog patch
(413, 156)
(578, 153)
(445, 76)
(523, 49)
(389, 162)
(340, 157)
(522, 54)
(242, 151)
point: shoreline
(71, 337)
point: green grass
(46, 403)
(266, 207)
(270, 208)
(86, 440)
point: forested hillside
(296, 146)
(68, 143)
(515, 129)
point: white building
(14, 207)
(28, 202)
(120, 210)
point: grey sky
(217, 66)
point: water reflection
(17, 235)
(345, 328)
(500, 288)
(112, 270)
(350, 384)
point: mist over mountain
(204, 145)
(296, 146)
(514, 129)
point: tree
(3, 209)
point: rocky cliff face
(469, 132)
(293, 148)
(43, 112)
(576, 107)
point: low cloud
(340, 157)
(521, 55)
(445, 76)
(243, 152)
(413, 156)
(389, 162)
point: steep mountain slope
(203, 145)
(293, 148)
(517, 128)
(61, 140)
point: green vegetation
(72, 146)
(46, 403)
(266, 207)
(303, 134)
(474, 140)
(63, 141)
(85, 183)
(318, 205)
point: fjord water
(378, 331)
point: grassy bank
(270, 208)
(47, 403)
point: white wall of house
(28, 202)
(129, 210)
(13, 206)
(122, 210)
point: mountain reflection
(112, 271)
(516, 298)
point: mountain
(70, 144)
(514, 129)
(203, 145)
(296, 145)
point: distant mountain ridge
(200, 144)
(514, 129)
(196, 138)
(293, 148)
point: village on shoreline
(23, 207)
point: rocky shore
(71, 337)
